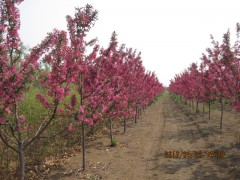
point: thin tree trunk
(139, 112)
(124, 125)
(83, 145)
(197, 110)
(221, 121)
(92, 130)
(209, 109)
(110, 127)
(203, 107)
(136, 115)
(21, 161)
(83, 127)
(192, 104)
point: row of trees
(105, 84)
(216, 78)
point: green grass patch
(30, 107)
(114, 143)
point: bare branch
(4, 140)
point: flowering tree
(17, 76)
(110, 83)
(78, 26)
(217, 78)
(235, 71)
(110, 72)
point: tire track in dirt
(152, 161)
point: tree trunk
(221, 113)
(203, 107)
(197, 110)
(21, 161)
(209, 109)
(110, 127)
(83, 146)
(136, 115)
(138, 110)
(83, 126)
(124, 125)
(92, 130)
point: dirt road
(144, 151)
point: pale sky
(171, 34)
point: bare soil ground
(144, 151)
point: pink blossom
(67, 91)
(104, 108)
(25, 128)
(43, 100)
(60, 111)
(73, 101)
(7, 109)
(59, 93)
(81, 117)
(71, 127)
(21, 119)
(2, 120)
(88, 121)
(81, 109)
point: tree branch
(41, 130)
(4, 140)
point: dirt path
(182, 135)
(141, 153)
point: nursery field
(169, 141)
(72, 109)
